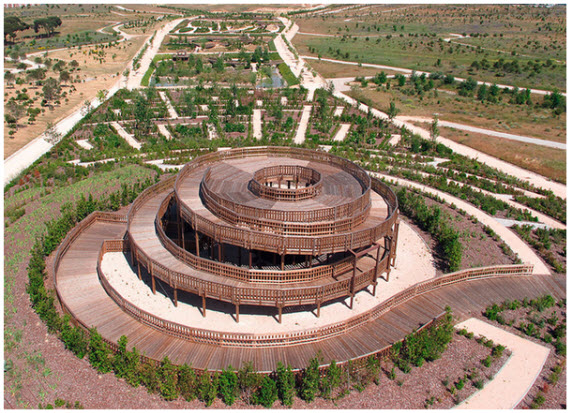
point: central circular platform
(286, 183)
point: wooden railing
(304, 336)
(243, 274)
(293, 173)
(261, 295)
(281, 221)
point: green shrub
(497, 351)
(99, 354)
(538, 401)
(167, 375)
(372, 371)
(187, 382)
(126, 363)
(559, 331)
(208, 387)
(547, 338)
(460, 384)
(487, 361)
(560, 347)
(331, 380)
(310, 380)
(267, 393)
(248, 382)
(478, 384)
(74, 338)
(492, 311)
(228, 386)
(285, 384)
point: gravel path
(526, 254)
(171, 111)
(302, 129)
(460, 126)
(257, 124)
(517, 376)
(164, 131)
(341, 134)
(126, 136)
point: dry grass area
(93, 76)
(516, 119)
(545, 161)
(330, 70)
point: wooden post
(282, 262)
(376, 271)
(139, 269)
(318, 309)
(219, 252)
(212, 249)
(197, 245)
(175, 297)
(183, 242)
(310, 261)
(280, 307)
(153, 283)
(352, 283)
(250, 259)
(204, 305)
(237, 312)
(179, 227)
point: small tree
(434, 129)
(168, 379)
(228, 386)
(310, 381)
(101, 95)
(208, 387)
(52, 135)
(267, 393)
(64, 76)
(9, 78)
(187, 382)
(331, 380)
(51, 90)
(392, 110)
(285, 384)
(248, 382)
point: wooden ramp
(82, 293)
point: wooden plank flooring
(81, 291)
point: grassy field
(503, 117)
(331, 70)
(545, 161)
(411, 37)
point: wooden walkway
(82, 293)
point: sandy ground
(84, 143)
(338, 110)
(460, 126)
(341, 134)
(517, 376)
(257, 124)
(171, 111)
(526, 254)
(414, 264)
(302, 129)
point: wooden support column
(219, 252)
(139, 269)
(175, 297)
(318, 309)
(352, 283)
(395, 243)
(183, 242)
(280, 308)
(282, 262)
(250, 259)
(153, 283)
(237, 312)
(310, 261)
(211, 249)
(376, 272)
(204, 305)
(179, 227)
(197, 244)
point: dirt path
(516, 377)
(126, 136)
(341, 134)
(164, 131)
(257, 124)
(302, 129)
(525, 253)
(460, 126)
(171, 111)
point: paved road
(469, 128)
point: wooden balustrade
(296, 337)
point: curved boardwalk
(84, 296)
